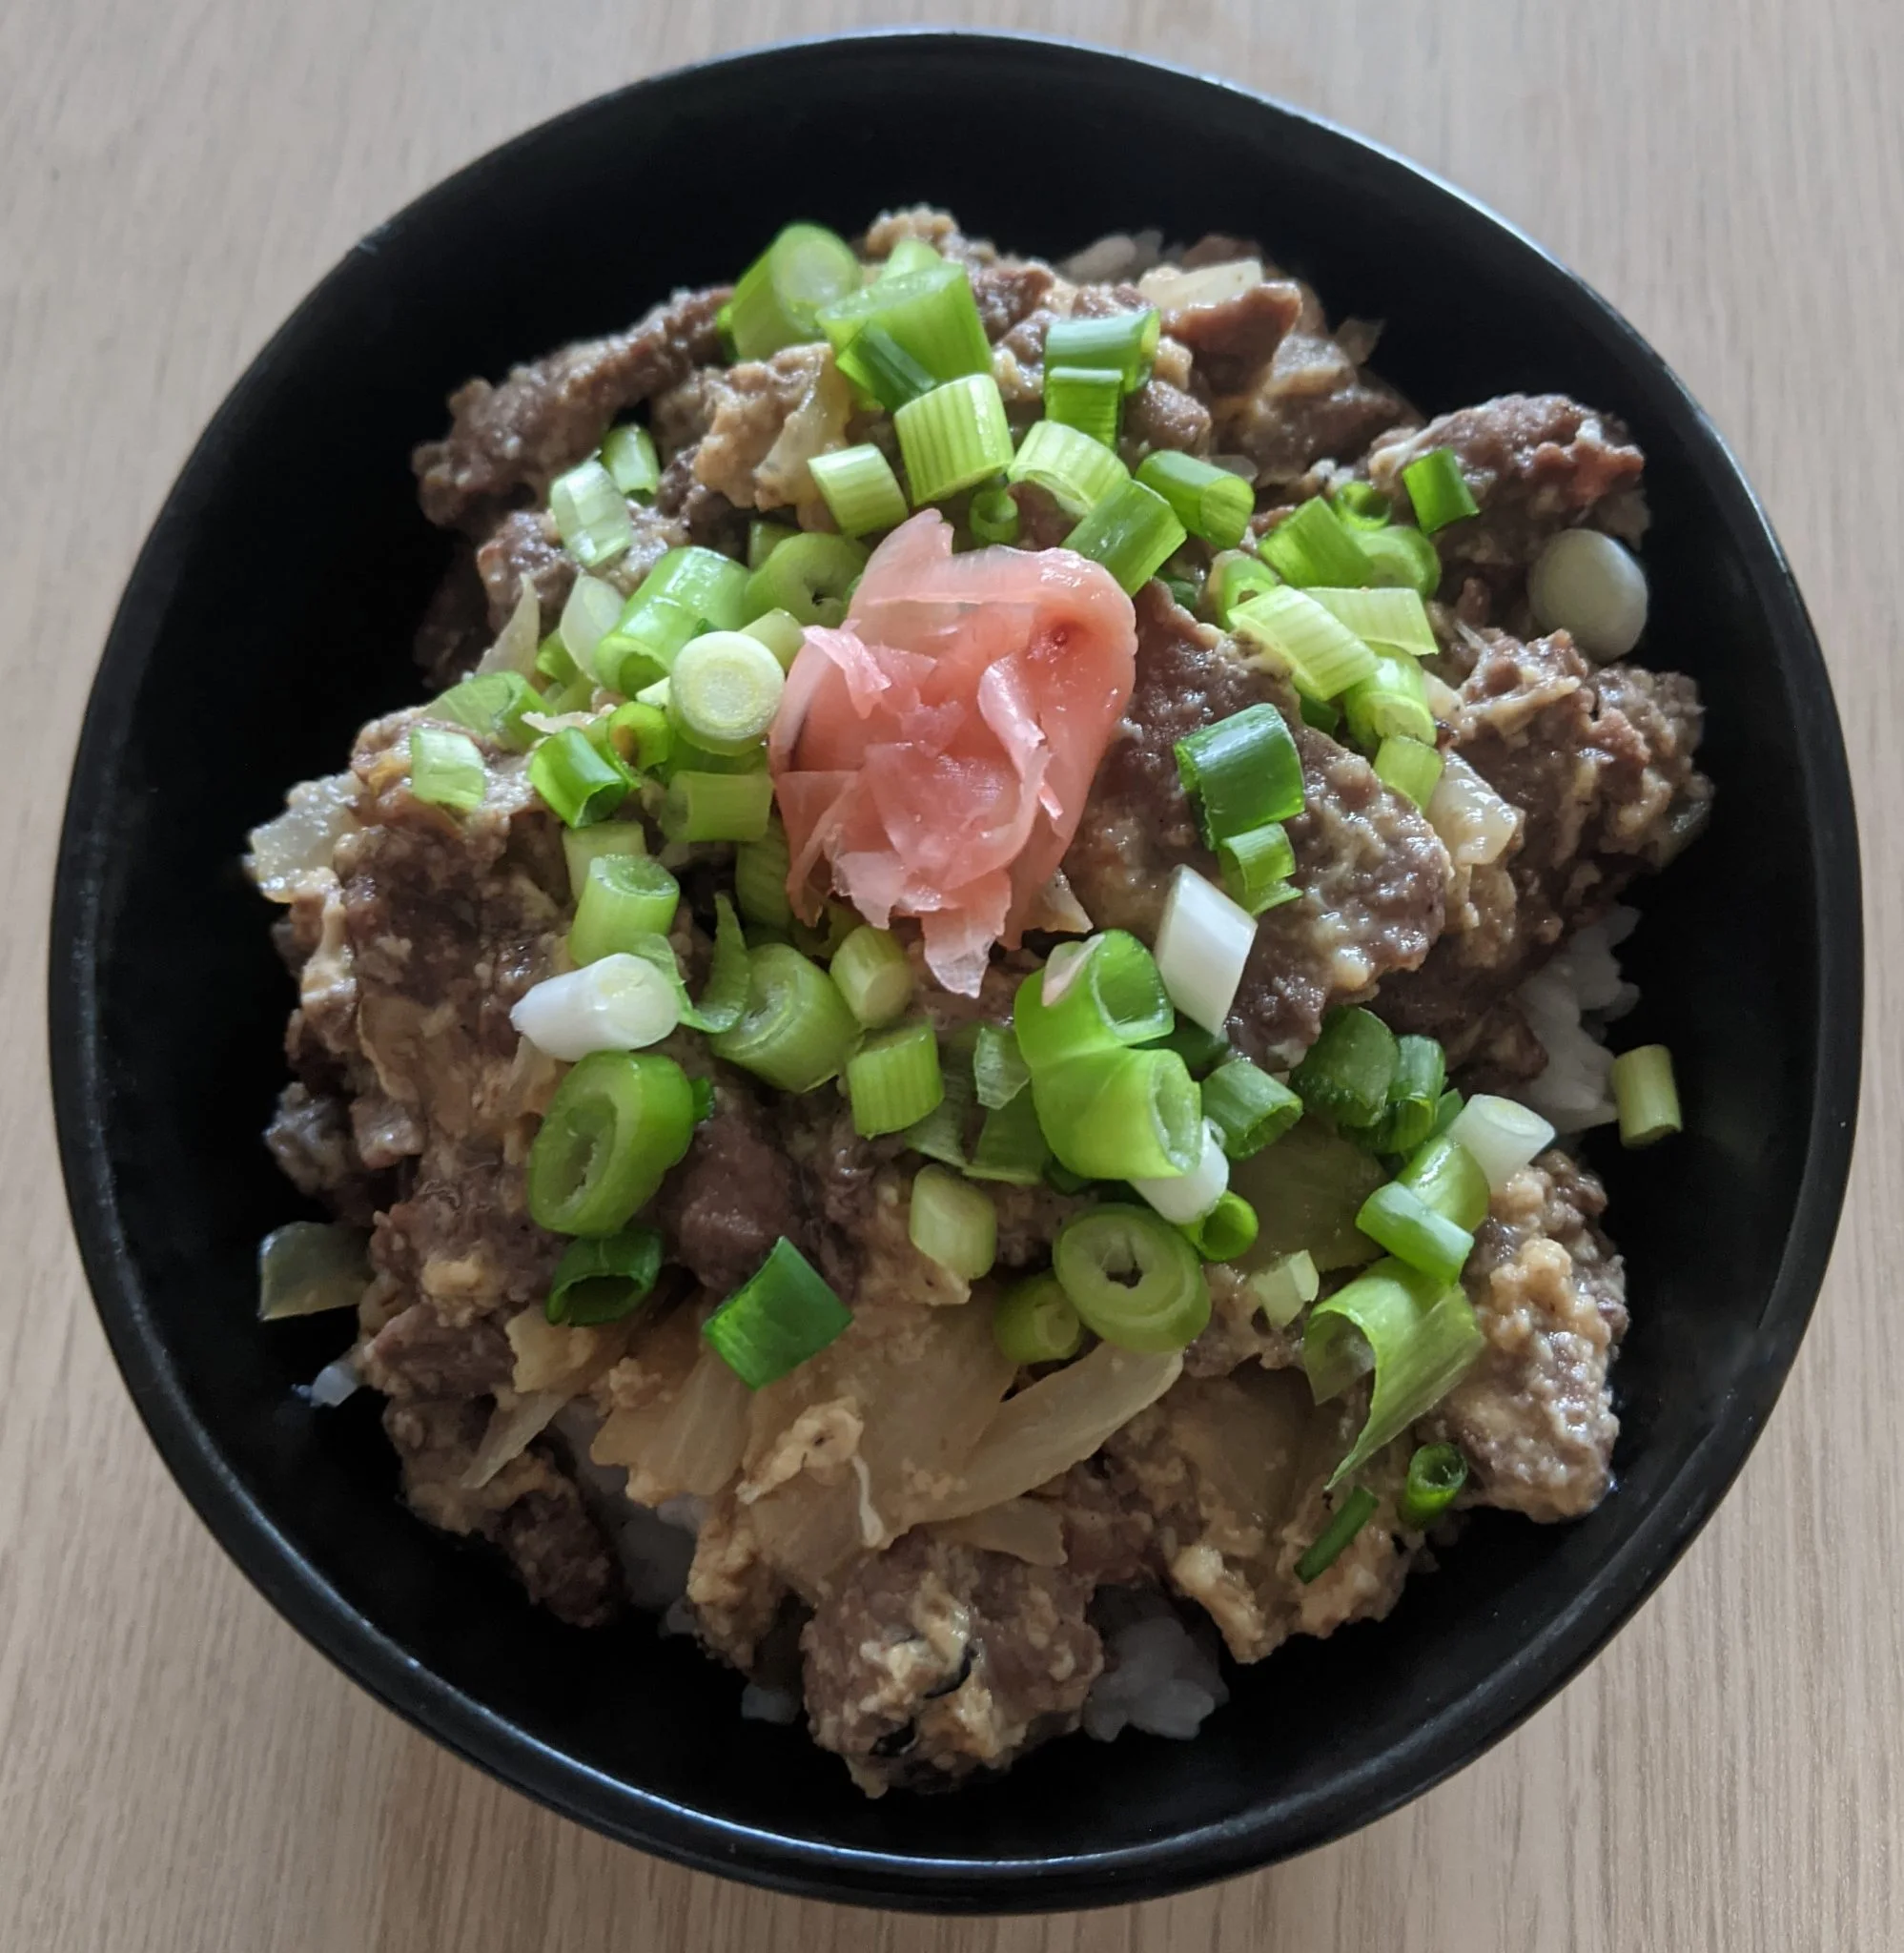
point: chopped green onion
(591, 515)
(723, 691)
(1229, 1229)
(860, 488)
(884, 368)
(1503, 1135)
(1360, 505)
(446, 769)
(1414, 1097)
(580, 785)
(1319, 713)
(603, 1279)
(493, 704)
(1391, 704)
(796, 1030)
(306, 1268)
(874, 977)
(1060, 1179)
(1075, 471)
(1200, 1049)
(1244, 772)
(717, 807)
(1132, 1277)
(1442, 1175)
(1123, 342)
(1285, 1287)
(777, 1320)
(1401, 558)
(1203, 943)
(780, 632)
(1256, 865)
(629, 454)
(1120, 1115)
(625, 896)
(893, 1079)
(1011, 1144)
(999, 1072)
(1235, 578)
(724, 327)
(1410, 767)
(689, 591)
(1421, 1336)
(1248, 1108)
(908, 255)
(994, 517)
(953, 1223)
(616, 1124)
(1321, 656)
(1091, 996)
(838, 921)
(1347, 1071)
(1184, 591)
(1131, 532)
(1438, 489)
(929, 314)
(1330, 1544)
(808, 576)
(941, 1134)
(1646, 1094)
(555, 661)
(764, 537)
(760, 878)
(583, 847)
(954, 437)
(1386, 619)
(1399, 1219)
(1208, 501)
(618, 1002)
(1448, 1109)
(1033, 1322)
(640, 734)
(1184, 1197)
(1085, 398)
(1316, 546)
(725, 995)
(1435, 1475)
(777, 298)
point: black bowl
(270, 612)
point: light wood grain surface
(177, 1769)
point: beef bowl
(431, 1515)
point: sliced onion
(317, 814)
(1188, 1197)
(1202, 944)
(1586, 585)
(1501, 1135)
(1170, 288)
(1029, 1530)
(516, 647)
(1475, 824)
(618, 1003)
(334, 1383)
(308, 1266)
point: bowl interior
(272, 612)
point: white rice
(655, 1545)
(1158, 1678)
(1568, 1004)
(762, 1704)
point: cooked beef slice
(734, 1195)
(530, 1508)
(935, 1659)
(508, 443)
(1600, 764)
(524, 549)
(1315, 403)
(1370, 868)
(1534, 1418)
(1232, 1472)
(310, 1137)
(418, 1355)
(1534, 464)
(1233, 339)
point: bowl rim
(1433, 1750)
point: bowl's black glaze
(274, 602)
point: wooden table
(177, 1769)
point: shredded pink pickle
(932, 755)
